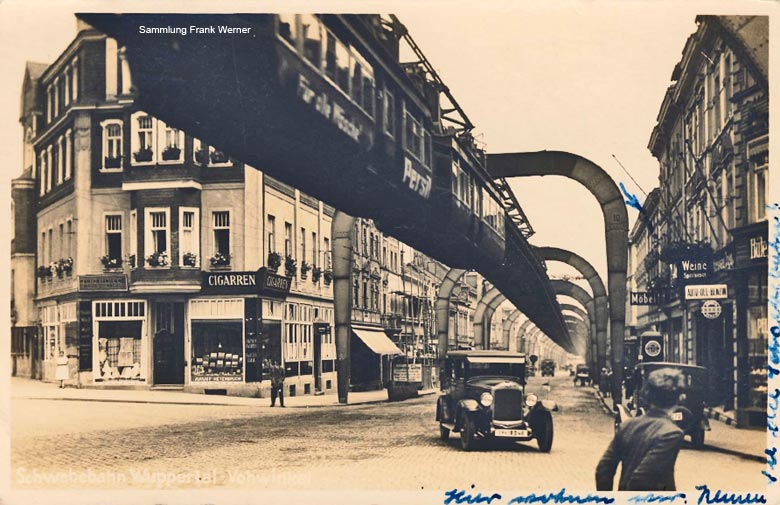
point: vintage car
(484, 398)
(548, 368)
(582, 375)
(688, 414)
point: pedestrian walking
(62, 369)
(646, 446)
(277, 384)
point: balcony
(177, 175)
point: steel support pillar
(341, 243)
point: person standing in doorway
(62, 369)
(277, 384)
(646, 446)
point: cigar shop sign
(262, 282)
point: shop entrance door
(317, 359)
(714, 353)
(169, 343)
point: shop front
(119, 351)
(230, 345)
(751, 268)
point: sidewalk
(724, 437)
(33, 389)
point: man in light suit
(647, 446)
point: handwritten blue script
(657, 498)
(560, 497)
(631, 199)
(459, 496)
(773, 365)
(718, 496)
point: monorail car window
(362, 90)
(389, 113)
(342, 66)
(312, 39)
(288, 28)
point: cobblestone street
(384, 445)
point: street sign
(643, 298)
(706, 291)
(710, 309)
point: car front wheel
(468, 434)
(544, 435)
(444, 432)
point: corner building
(160, 260)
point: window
(271, 231)
(414, 137)
(287, 239)
(61, 239)
(303, 244)
(133, 237)
(288, 29)
(158, 236)
(312, 39)
(759, 162)
(342, 66)
(326, 245)
(50, 162)
(330, 56)
(221, 224)
(189, 237)
(60, 171)
(112, 144)
(172, 142)
(388, 118)
(362, 85)
(69, 239)
(143, 151)
(68, 154)
(314, 251)
(43, 172)
(74, 88)
(114, 239)
(42, 255)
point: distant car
(484, 398)
(688, 414)
(582, 375)
(548, 367)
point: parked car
(688, 414)
(582, 375)
(548, 367)
(484, 398)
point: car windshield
(694, 377)
(502, 369)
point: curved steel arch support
(601, 185)
(479, 316)
(597, 288)
(442, 309)
(341, 236)
(522, 333)
(487, 319)
(509, 322)
(576, 310)
(570, 289)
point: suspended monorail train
(322, 102)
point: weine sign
(706, 291)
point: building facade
(705, 254)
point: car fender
(443, 410)
(550, 405)
(468, 405)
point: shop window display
(119, 350)
(217, 351)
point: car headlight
(486, 399)
(531, 399)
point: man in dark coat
(277, 384)
(647, 446)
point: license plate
(677, 416)
(511, 433)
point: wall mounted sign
(643, 298)
(711, 309)
(652, 347)
(706, 291)
(104, 282)
(229, 283)
(271, 284)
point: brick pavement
(374, 446)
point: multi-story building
(710, 225)
(156, 253)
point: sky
(582, 77)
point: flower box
(305, 267)
(274, 261)
(143, 155)
(219, 260)
(316, 273)
(202, 156)
(327, 276)
(111, 263)
(110, 162)
(158, 259)
(189, 259)
(44, 272)
(171, 153)
(290, 266)
(218, 157)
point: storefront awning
(377, 341)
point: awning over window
(377, 341)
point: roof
(36, 69)
(376, 340)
